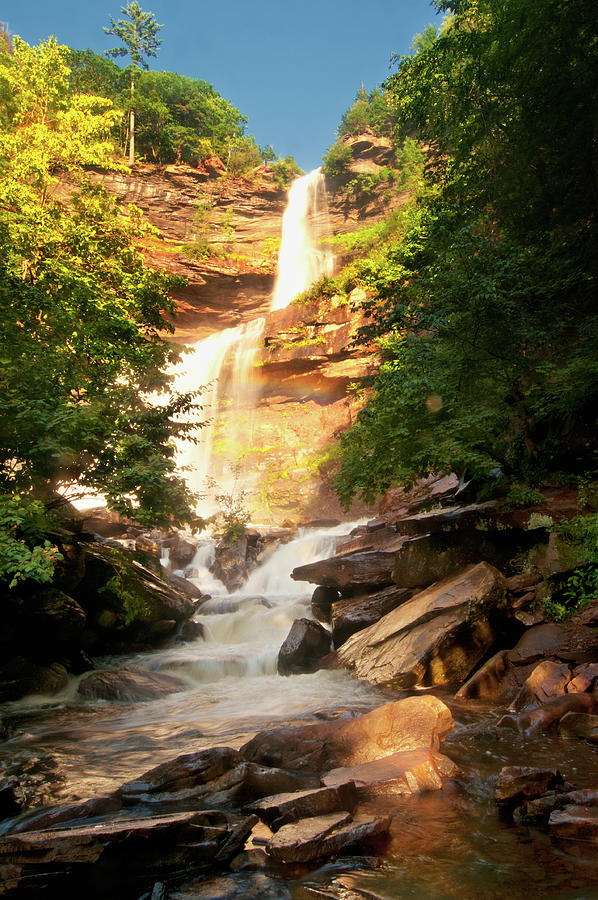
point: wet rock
(489, 681)
(437, 637)
(578, 825)
(245, 886)
(323, 836)
(353, 614)
(407, 772)
(303, 648)
(541, 718)
(261, 781)
(62, 815)
(404, 725)
(185, 586)
(230, 562)
(584, 678)
(321, 603)
(351, 572)
(537, 812)
(20, 676)
(192, 631)
(579, 725)
(185, 771)
(100, 859)
(10, 803)
(518, 784)
(127, 684)
(283, 808)
(548, 679)
(182, 552)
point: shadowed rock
(127, 684)
(304, 647)
(322, 836)
(437, 637)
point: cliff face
(306, 366)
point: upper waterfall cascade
(223, 363)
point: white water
(302, 260)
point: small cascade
(302, 260)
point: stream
(445, 844)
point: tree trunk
(132, 127)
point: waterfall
(224, 362)
(302, 260)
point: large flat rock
(303, 804)
(403, 725)
(435, 638)
(352, 614)
(117, 858)
(322, 836)
(403, 773)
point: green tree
(82, 321)
(139, 33)
(488, 335)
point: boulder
(406, 772)
(518, 784)
(230, 562)
(127, 684)
(20, 676)
(543, 717)
(584, 678)
(548, 679)
(283, 808)
(186, 771)
(304, 647)
(54, 617)
(435, 638)
(579, 725)
(115, 858)
(423, 560)
(353, 614)
(403, 725)
(323, 836)
(321, 603)
(182, 552)
(350, 573)
(244, 886)
(577, 825)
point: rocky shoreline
(436, 601)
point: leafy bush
(369, 112)
(337, 160)
(284, 171)
(25, 551)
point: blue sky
(292, 69)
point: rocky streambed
(441, 741)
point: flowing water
(223, 364)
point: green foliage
(134, 606)
(233, 514)
(177, 119)
(579, 541)
(82, 315)
(337, 160)
(485, 307)
(521, 495)
(25, 551)
(369, 112)
(138, 32)
(285, 170)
